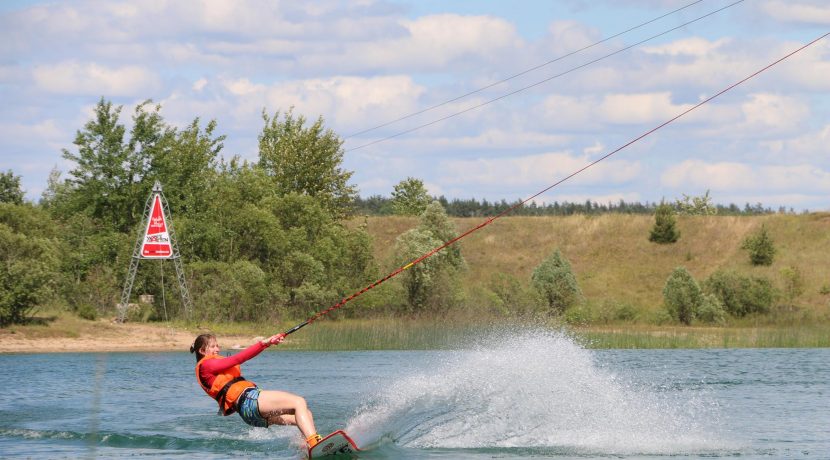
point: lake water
(536, 395)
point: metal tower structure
(139, 252)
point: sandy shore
(110, 337)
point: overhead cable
(525, 88)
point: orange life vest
(227, 386)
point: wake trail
(539, 389)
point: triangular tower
(156, 240)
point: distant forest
(378, 205)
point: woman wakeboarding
(221, 378)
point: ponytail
(200, 342)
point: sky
(365, 63)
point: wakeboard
(337, 443)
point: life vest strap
(223, 393)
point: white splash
(536, 390)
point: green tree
(711, 310)
(187, 164)
(111, 180)
(741, 295)
(431, 285)
(410, 197)
(793, 284)
(697, 205)
(10, 191)
(760, 246)
(306, 160)
(664, 230)
(509, 295)
(556, 283)
(682, 295)
(29, 256)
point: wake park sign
(156, 243)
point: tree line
(379, 205)
(263, 240)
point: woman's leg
(283, 408)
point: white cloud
(798, 11)
(774, 112)
(815, 144)
(199, 84)
(49, 131)
(610, 198)
(694, 46)
(346, 101)
(434, 42)
(732, 176)
(536, 170)
(594, 149)
(486, 138)
(639, 108)
(76, 78)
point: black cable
(524, 72)
(541, 81)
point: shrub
(94, 294)
(510, 296)
(682, 295)
(760, 247)
(625, 312)
(664, 231)
(556, 283)
(430, 285)
(27, 273)
(578, 315)
(660, 317)
(410, 197)
(741, 295)
(793, 284)
(711, 310)
(233, 292)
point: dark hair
(200, 343)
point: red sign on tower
(156, 244)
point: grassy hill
(617, 267)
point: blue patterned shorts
(248, 408)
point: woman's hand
(274, 339)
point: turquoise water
(537, 395)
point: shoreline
(107, 337)
(103, 336)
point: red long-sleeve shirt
(211, 367)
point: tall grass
(430, 334)
(678, 337)
(614, 262)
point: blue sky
(363, 63)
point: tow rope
(400, 270)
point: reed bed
(429, 334)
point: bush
(682, 295)
(510, 296)
(578, 315)
(410, 197)
(664, 231)
(96, 293)
(27, 270)
(234, 292)
(741, 295)
(711, 310)
(431, 284)
(760, 247)
(793, 284)
(556, 283)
